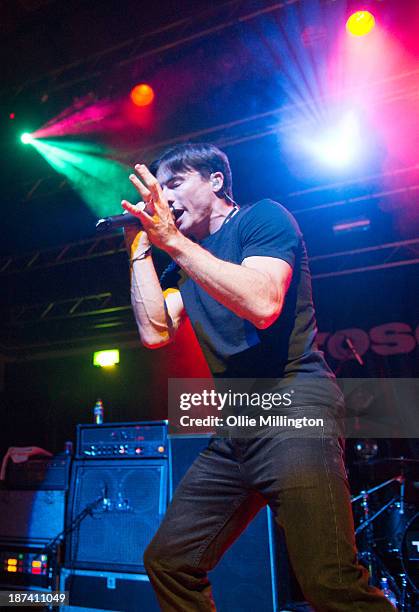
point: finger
(151, 182)
(138, 211)
(138, 207)
(140, 187)
(132, 208)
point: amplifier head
(142, 440)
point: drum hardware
(410, 552)
(401, 546)
(366, 449)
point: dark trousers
(304, 483)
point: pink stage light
(80, 118)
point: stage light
(100, 180)
(142, 95)
(106, 359)
(12, 115)
(26, 138)
(340, 146)
(360, 23)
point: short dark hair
(202, 157)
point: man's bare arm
(254, 290)
(157, 314)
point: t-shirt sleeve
(269, 230)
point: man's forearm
(148, 304)
(247, 292)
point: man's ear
(217, 181)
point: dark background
(219, 73)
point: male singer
(242, 278)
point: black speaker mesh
(116, 533)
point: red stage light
(11, 116)
(142, 95)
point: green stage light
(106, 359)
(91, 170)
(26, 138)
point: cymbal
(399, 460)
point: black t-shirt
(233, 347)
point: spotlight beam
(99, 180)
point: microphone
(107, 224)
(115, 221)
(353, 350)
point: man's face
(191, 197)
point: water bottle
(387, 592)
(98, 412)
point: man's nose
(168, 195)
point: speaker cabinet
(48, 473)
(245, 577)
(115, 507)
(31, 516)
(111, 591)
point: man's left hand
(154, 213)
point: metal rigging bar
(100, 246)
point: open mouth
(177, 214)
